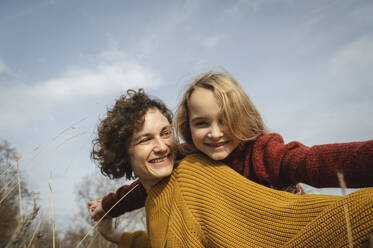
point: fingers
(95, 209)
(94, 214)
(91, 203)
(91, 209)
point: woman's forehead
(154, 121)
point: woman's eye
(167, 133)
(144, 140)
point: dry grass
(27, 160)
(93, 240)
(70, 138)
(8, 183)
(94, 226)
(7, 194)
(19, 233)
(52, 207)
(33, 233)
(343, 185)
(19, 187)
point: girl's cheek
(196, 133)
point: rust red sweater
(271, 162)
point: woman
(205, 203)
(217, 118)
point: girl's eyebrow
(197, 118)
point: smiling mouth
(217, 144)
(159, 160)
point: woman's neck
(148, 184)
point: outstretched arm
(278, 163)
(134, 200)
(105, 227)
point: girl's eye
(201, 124)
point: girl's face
(209, 133)
(151, 150)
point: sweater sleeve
(280, 164)
(137, 239)
(134, 200)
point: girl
(218, 119)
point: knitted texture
(207, 204)
(271, 162)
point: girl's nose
(215, 132)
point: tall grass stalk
(94, 226)
(70, 138)
(19, 159)
(19, 187)
(52, 207)
(93, 239)
(8, 168)
(41, 148)
(10, 191)
(343, 185)
(21, 229)
(35, 231)
(8, 183)
(68, 128)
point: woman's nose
(160, 145)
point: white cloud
(114, 74)
(254, 5)
(352, 63)
(105, 78)
(211, 41)
(4, 67)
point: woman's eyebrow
(166, 127)
(149, 134)
(142, 136)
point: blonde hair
(239, 113)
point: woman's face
(151, 150)
(210, 134)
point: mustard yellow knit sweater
(206, 204)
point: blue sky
(307, 65)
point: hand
(105, 228)
(95, 209)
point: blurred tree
(94, 187)
(9, 201)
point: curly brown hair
(114, 133)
